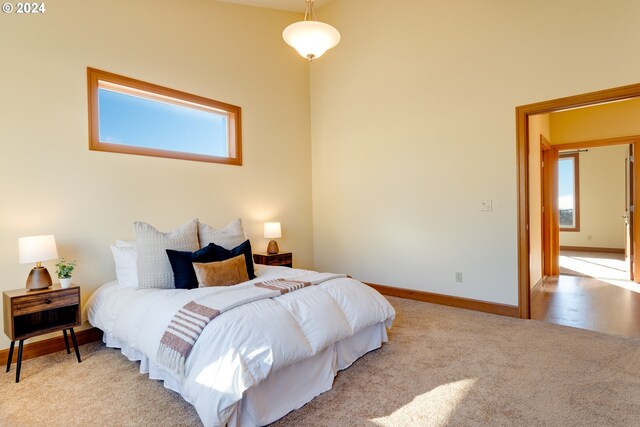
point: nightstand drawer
(280, 259)
(45, 301)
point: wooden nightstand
(31, 313)
(284, 259)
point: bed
(256, 362)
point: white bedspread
(239, 348)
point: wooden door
(550, 214)
(629, 211)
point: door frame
(550, 221)
(522, 162)
(633, 140)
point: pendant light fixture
(311, 38)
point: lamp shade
(37, 249)
(272, 230)
(311, 38)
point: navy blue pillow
(222, 254)
(184, 276)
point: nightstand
(31, 313)
(284, 259)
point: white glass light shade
(37, 249)
(272, 230)
(311, 38)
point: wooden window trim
(233, 113)
(576, 190)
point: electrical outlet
(459, 276)
(486, 205)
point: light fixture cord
(310, 13)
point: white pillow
(126, 268)
(154, 269)
(228, 237)
(125, 243)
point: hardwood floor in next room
(591, 293)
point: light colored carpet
(442, 367)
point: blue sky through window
(139, 122)
(565, 183)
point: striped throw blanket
(284, 286)
(187, 324)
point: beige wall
(602, 199)
(51, 183)
(538, 126)
(598, 122)
(413, 125)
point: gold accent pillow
(221, 273)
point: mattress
(257, 362)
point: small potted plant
(64, 270)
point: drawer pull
(47, 301)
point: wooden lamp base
(273, 247)
(39, 278)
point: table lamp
(37, 249)
(272, 231)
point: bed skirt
(295, 385)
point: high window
(134, 117)
(568, 192)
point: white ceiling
(291, 5)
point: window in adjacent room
(134, 117)
(568, 192)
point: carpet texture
(442, 367)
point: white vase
(65, 283)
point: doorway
(523, 113)
(592, 287)
(588, 186)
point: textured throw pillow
(221, 273)
(228, 237)
(222, 254)
(154, 269)
(184, 276)
(126, 268)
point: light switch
(486, 205)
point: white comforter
(239, 348)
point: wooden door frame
(608, 142)
(550, 220)
(522, 161)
